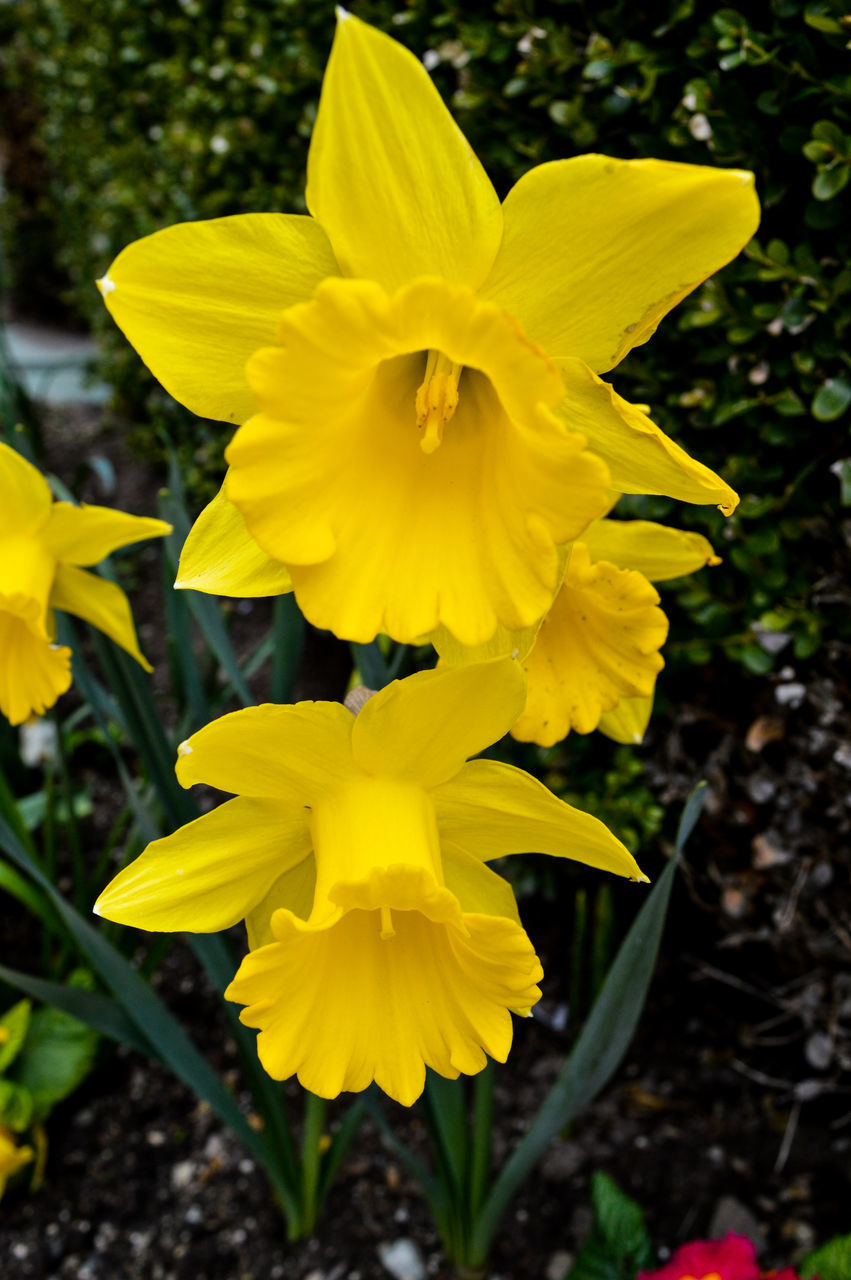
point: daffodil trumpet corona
(355, 848)
(592, 661)
(415, 368)
(45, 549)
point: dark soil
(732, 1110)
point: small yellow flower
(12, 1157)
(356, 850)
(593, 661)
(416, 366)
(43, 546)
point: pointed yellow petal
(33, 672)
(477, 888)
(210, 873)
(197, 299)
(378, 534)
(640, 457)
(292, 753)
(425, 995)
(294, 890)
(390, 176)
(600, 642)
(99, 602)
(220, 556)
(25, 498)
(84, 535)
(596, 251)
(424, 728)
(656, 550)
(627, 722)
(492, 809)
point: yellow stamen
(387, 930)
(437, 398)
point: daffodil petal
(210, 873)
(596, 251)
(84, 535)
(25, 497)
(640, 457)
(503, 642)
(390, 176)
(198, 298)
(627, 722)
(220, 556)
(294, 890)
(33, 672)
(99, 602)
(599, 642)
(476, 886)
(291, 753)
(429, 995)
(492, 809)
(424, 728)
(656, 550)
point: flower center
(437, 398)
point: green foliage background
(139, 114)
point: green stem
(480, 1156)
(315, 1109)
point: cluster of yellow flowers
(426, 449)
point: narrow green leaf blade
(102, 1013)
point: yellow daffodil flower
(593, 660)
(416, 366)
(43, 548)
(12, 1157)
(356, 848)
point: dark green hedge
(145, 114)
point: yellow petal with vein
(627, 722)
(85, 535)
(390, 176)
(293, 753)
(198, 298)
(656, 550)
(425, 727)
(220, 556)
(210, 873)
(99, 602)
(492, 809)
(25, 497)
(640, 457)
(596, 251)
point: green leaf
(57, 1055)
(102, 1013)
(601, 1046)
(829, 182)
(16, 1106)
(13, 1030)
(831, 400)
(832, 1261)
(619, 1244)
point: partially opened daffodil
(416, 366)
(356, 849)
(593, 660)
(44, 546)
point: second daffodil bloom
(592, 662)
(44, 548)
(12, 1157)
(416, 365)
(356, 849)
